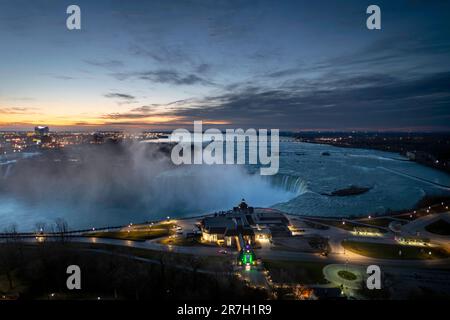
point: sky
(288, 65)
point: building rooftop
(219, 222)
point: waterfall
(289, 183)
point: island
(350, 191)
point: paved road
(338, 253)
(418, 226)
(268, 253)
(335, 235)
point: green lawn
(136, 234)
(388, 251)
(440, 227)
(283, 271)
(335, 223)
(181, 241)
(347, 275)
(379, 222)
(348, 225)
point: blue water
(304, 177)
(392, 178)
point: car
(223, 251)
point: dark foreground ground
(39, 272)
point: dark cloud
(149, 110)
(107, 64)
(126, 115)
(162, 53)
(283, 73)
(290, 64)
(401, 54)
(165, 76)
(117, 95)
(63, 77)
(203, 68)
(145, 109)
(362, 101)
(172, 77)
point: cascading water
(289, 183)
(219, 187)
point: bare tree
(61, 227)
(11, 253)
(40, 226)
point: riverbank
(428, 149)
(430, 203)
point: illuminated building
(246, 222)
(41, 131)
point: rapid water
(394, 182)
(294, 184)
(143, 190)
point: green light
(247, 257)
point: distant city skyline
(159, 65)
